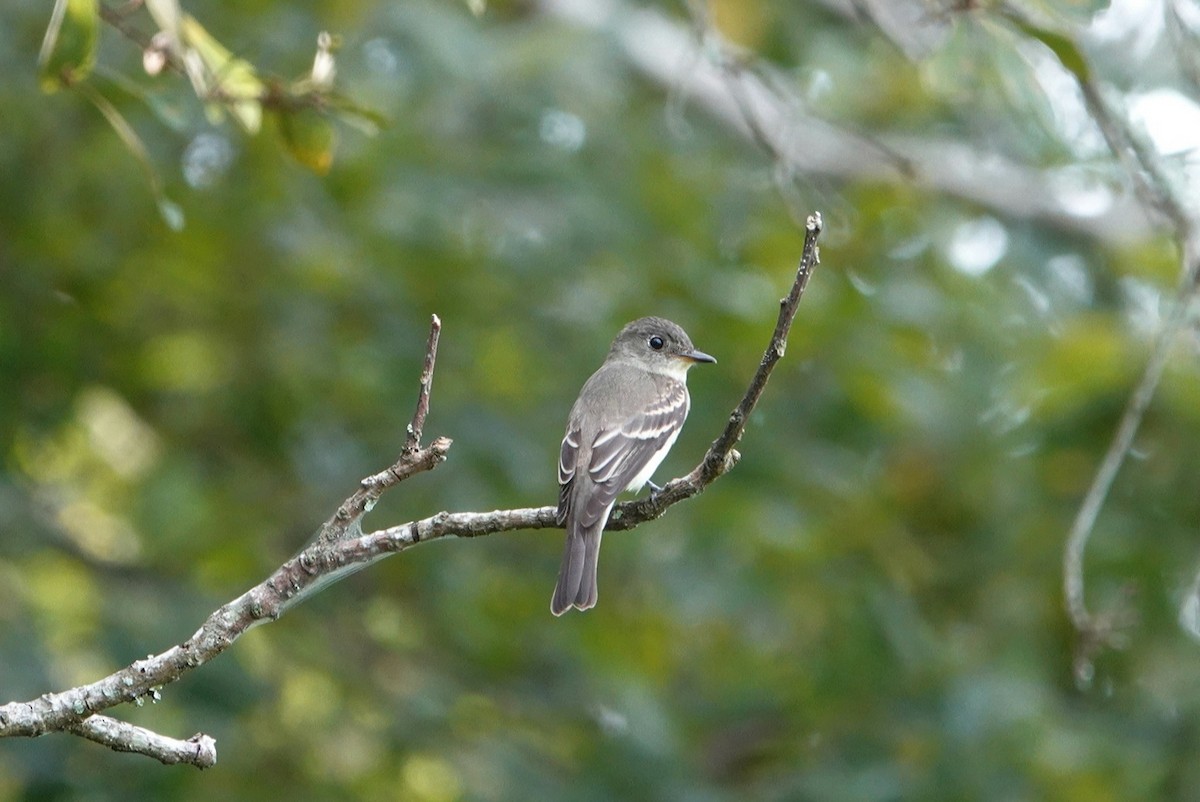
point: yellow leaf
(309, 137)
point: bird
(628, 415)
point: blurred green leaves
(868, 607)
(226, 83)
(1063, 47)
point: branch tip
(200, 750)
(413, 439)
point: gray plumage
(624, 422)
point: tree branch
(341, 548)
(771, 115)
(305, 574)
(1106, 629)
(721, 455)
(345, 521)
(1154, 189)
(417, 425)
(200, 750)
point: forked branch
(341, 548)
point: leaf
(1068, 53)
(69, 48)
(310, 137)
(220, 78)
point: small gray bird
(624, 422)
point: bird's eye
(656, 342)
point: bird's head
(659, 345)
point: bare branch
(200, 750)
(1089, 510)
(413, 439)
(1141, 163)
(318, 566)
(413, 458)
(1156, 191)
(721, 455)
(1105, 629)
(342, 548)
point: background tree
(870, 605)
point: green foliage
(867, 607)
(1064, 49)
(216, 73)
(309, 138)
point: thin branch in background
(342, 549)
(1106, 629)
(1150, 182)
(1184, 41)
(1098, 631)
(1154, 188)
(665, 51)
(770, 113)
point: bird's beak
(699, 356)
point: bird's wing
(568, 455)
(621, 453)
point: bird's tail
(577, 576)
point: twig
(342, 548)
(721, 455)
(1118, 449)
(296, 580)
(200, 750)
(413, 440)
(1150, 183)
(1154, 189)
(1106, 629)
(413, 459)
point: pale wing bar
(621, 453)
(567, 457)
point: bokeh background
(868, 608)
